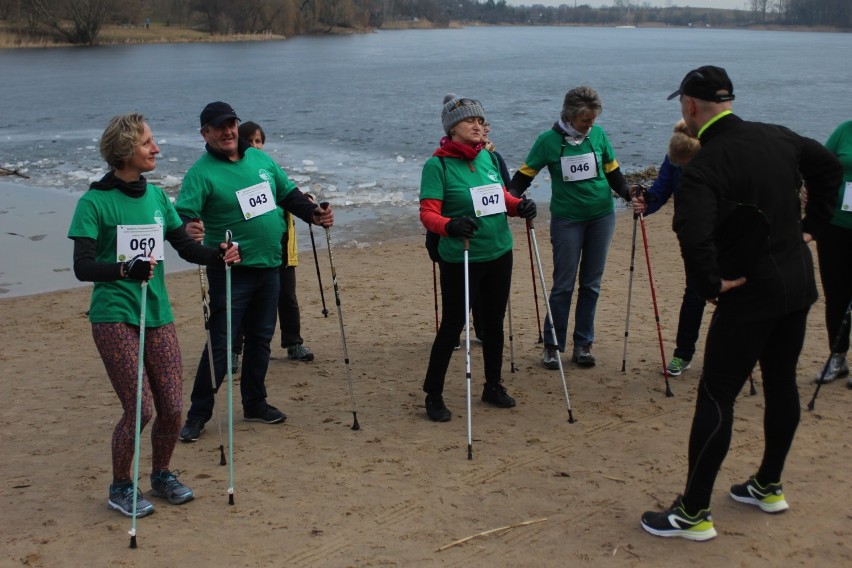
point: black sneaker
(770, 498)
(121, 500)
(436, 409)
(192, 430)
(495, 393)
(675, 521)
(166, 484)
(265, 413)
(583, 356)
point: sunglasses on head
(466, 102)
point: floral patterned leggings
(118, 344)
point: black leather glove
(527, 209)
(137, 268)
(463, 227)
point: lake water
(352, 118)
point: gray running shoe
(550, 357)
(166, 484)
(121, 500)
(836, 368)
(583, 356)
(299, 352)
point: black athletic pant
(834, 249)
(732, 349)
(490, 282)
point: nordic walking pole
(230, 341)
(205, 309)
(137, 431)
(531, 232)
(834, 346)
(511, 335)
(319, 277)
(467, 346)
(535, 292)
(654, 300)
(355, 425)
(629, 292)
(435, 288)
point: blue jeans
(689, 323)
(254, 303)
(578, 246)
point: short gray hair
(579, 100)
(122, 135)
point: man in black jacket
(744, 242)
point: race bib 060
(133, 240)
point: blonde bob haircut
(682, 146)
(122, 135)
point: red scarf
(452, 149)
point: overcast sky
(729, 4)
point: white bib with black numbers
(133, 240)
(256, 200)
(578, 168)
(488, 199)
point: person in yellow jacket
(288, 305)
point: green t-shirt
(452, 186)
(840, 144)
(583, 200)
(209, 192)
(97, 216)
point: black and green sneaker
(675, 521)
(770, 498)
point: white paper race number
(488, 199)
(133, 240)
(578, 168)
(256, 200)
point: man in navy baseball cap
(707, 83)
(216, 113)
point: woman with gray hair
(584, 173)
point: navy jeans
(578, 247)
(254, 300)
(689, 324)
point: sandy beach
(400, 491)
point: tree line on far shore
(80, 21)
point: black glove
(137, 268)
(527, 209)
(461, 227)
